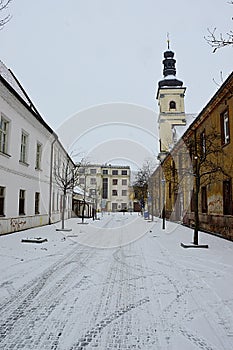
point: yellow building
(199, 168)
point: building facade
(108, 185)
(197, 172)
(29, 195)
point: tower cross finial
(168, 41)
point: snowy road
(117, 283)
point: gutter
(51, 176)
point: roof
(10, 81)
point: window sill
(5, 154)
(225, 144)
(2, 216)
(23, 163)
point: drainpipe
(51, 177)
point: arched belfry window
(172, 105)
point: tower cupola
(170, 96)
(169, 70)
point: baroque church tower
(170, 96)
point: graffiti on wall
(215, 205)
(18, 224)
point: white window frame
(38, 155)
(24, 147)
(226, 127)
(4, 134)
(2, 197)
(37, 203)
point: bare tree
(82, 168)
(65, 175)
(217, 41)
(142, 184)
(3, 6)
(207, 155)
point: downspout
(51, 177)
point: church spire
(169, 68)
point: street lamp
(163, 202)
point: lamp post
(163, 203)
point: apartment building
(108, 185)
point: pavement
(117, 283)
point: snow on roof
(78, 190)
(8, 75)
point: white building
(29, 195)
(108, 185)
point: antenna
(168, 41)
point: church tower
(170, 96)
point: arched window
(172, 105)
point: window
(37, 203)
(4, 127)
(114, 192)
(53, 203)
(2, 200)
(172, 105)
(114, 181)
(173, 166)
(124, 182)
(81, 170)
(124, 172)
(123, 206)
(203, 199)
(105, 171)
(58, 199)
(225, 131)
(203, 144)
(169, 190)
(81, 181)
(124, 193)
(227, 197)
(115, 172)
(38, 155)
(93, 181)
(92, 191)
(92, 171)
(23, 147)
(105, 188)
(21, 202)
(114, 206)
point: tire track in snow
(90, 335)
(33, 305)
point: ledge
(5, 154)
(23, 163)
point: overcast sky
(73, 54)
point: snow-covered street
(116, 283)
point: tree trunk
(196, 212)
(63, 211)
(83, 211)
